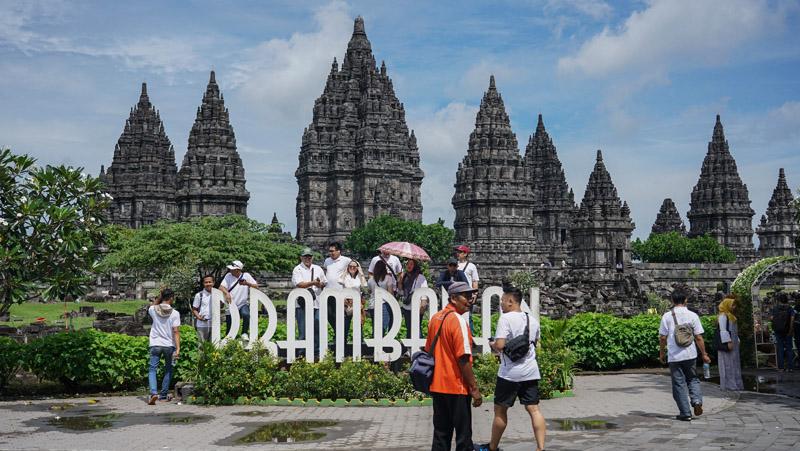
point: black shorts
(506, 392)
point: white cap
(236, 265)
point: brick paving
(639, 406)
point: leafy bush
(435, 238)
(672, 247)
(10, 359)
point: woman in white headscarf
(353, 277)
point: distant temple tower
(720, 205)
(142, 175)
(602, 229)
(357, 158)
(778, 231)
(553, 200)
(493, 199)
(211, 181)
(668, 219)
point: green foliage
(657, 305)
(10, 360)
(672, 247)
(524, 280)
(51, 223)
(485, 367)
(435, 238)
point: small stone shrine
(668, 219)
(778, 231)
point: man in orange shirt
(453, 381)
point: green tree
(172, 251)
(51, 225)
(672, 247)
(435, 238)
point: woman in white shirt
(353, 277)
(381, 278)
(410, 280)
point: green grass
(24, 314)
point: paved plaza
(632, 412)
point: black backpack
(422, 363)
(780, 319)
(518, 347)
(718, 344)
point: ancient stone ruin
(778, 231)
(668, 219)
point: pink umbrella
(405, 249)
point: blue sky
(641, 80)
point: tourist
(411, 279)
(453, 383)
(393, 265)
(309, 276)
(682, 359)
(516, 379)
(352, 278)
(471, 271)
(783, 316)
(335, 266)
(381, 279)
(201, 309)
(235, 286)
(165, 341)
(730, 368)
(450, 275)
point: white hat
(236, 265)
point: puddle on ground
(252, 413)
(287, 432)
(90, 420)
(580, 424)
(83, 422)
(770, 383)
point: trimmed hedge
(10, 359)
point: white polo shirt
(241, 293)
(303, 273)
(202, 302)
(470, 270)
(392, 262)
(676, 353)
(334, 270)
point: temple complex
(142, 175)
(358, 159)
(778, 231)
(668, 219)
(211, 179)
(720, 205)
(602, 228)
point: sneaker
(684, 417)
(153, 399)
(698, 410)
(168, 398)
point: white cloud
(670, 33)
(281, 78)
(476, 79)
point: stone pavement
(636, 410)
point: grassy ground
(23, 314)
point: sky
(641, 80)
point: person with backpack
(727, 340)
(518, 377)
(783, 316)
(165, 341)
(681, 336)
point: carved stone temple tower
(602, 229)
(668, 219)
(211, 180)
(778, 231)
(553, 200)
(357, 158)
(720, 205)
(493, 199)
(142, 175)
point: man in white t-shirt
(516, 378)
(165, 341)
(682, 360)
(236, 288)
(311, 277)
(201, 309)
(335, 265)
(471, 271)
(393, 265)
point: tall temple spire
(668, 219)
(602, 228)
(720, 205)
(141, 177)
(778, 231)
(358, 158)
(211, 180)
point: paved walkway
(638, 408)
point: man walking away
(516, 379)
(165, 341)
(201, 309)
(453, 381)
(783, 316)
(236, 288)
(682, 335)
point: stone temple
(778, 231)
(358, 159)
(143, 178)
(668, 219)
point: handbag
(518, 347)
(422, 363)
(718, 344)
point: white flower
(19, 215)
(23, 199)
(84, 249)
(91, 218)
(60, 241)
(3, 222)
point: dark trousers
(244, 319)
(451, 412)
(407, 320)
(783, 351)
